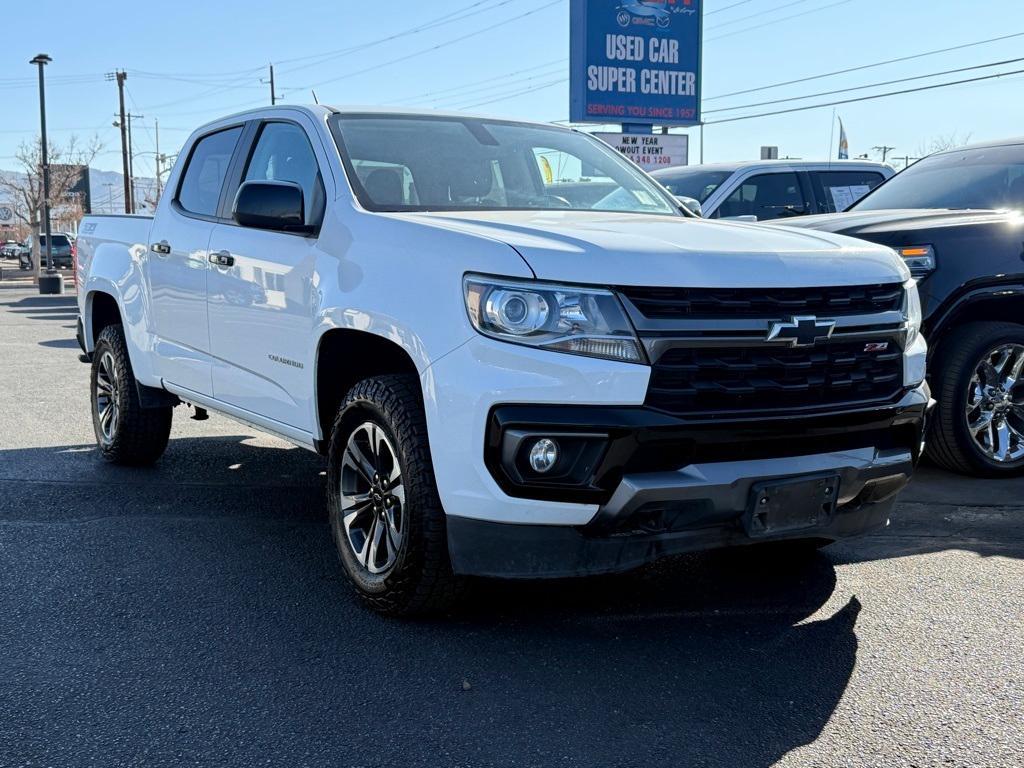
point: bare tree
(24, 187)
(942, 143)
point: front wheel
(126, 433)
(979, 421)
(386, 517)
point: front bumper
(665, 486)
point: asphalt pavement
(195, 614)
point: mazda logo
(801, 331)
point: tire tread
(142, 433)
(959, 351)
(423, 583)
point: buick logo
(801, 331)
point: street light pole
(52, 282)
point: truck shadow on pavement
(204, 595)
(198, 607)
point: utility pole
(156, 122)
(884, 150)
(121, 76)
(131, 159)
(273, 93)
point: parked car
(956, 217)
(600, 388)
(773, 189)
(9, 249)
(62, 252)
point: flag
(844, 145)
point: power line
(221, 89)
(508, 96)
(448, 18)
(866, 98)
(487, 80)
(779, 21)
(727, 8)
(865, 87)
(485, 90)
(864, 66)
(741, 19)
(435, 47)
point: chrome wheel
(372, 498)
(107, 409)
(995, 404)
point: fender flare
(942, 317)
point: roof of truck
(744, 165)
(321, 111)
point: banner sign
(635, 61)
(650, 151)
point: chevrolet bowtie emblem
(801, 331)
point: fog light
(543, 455)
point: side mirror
(693, 206)
(275, 205)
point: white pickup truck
(504, 383)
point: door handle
(162, 248)
(222, 259)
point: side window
(768, 196)
(207, 167)
(283, 153)
(838, 190)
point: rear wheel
(125, 432)
(386, 516)
(979, 424)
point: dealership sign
(650, 151)
(635, 61)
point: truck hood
(867, 223)
(636, 249)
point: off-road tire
(949, 444)
(141, 434)
(421, 580)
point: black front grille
(710, 382)
(670, 303)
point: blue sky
(191, 61)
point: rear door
(262, 302)
(177, 262)
(836, 191)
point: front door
(177, 265)
(261, 295)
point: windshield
(426, 163)
(59, 241)
(696, 183)
(988, 177)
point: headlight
(920, 260)
(911, 311)
(581, 321)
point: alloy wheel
(107, 409)
(372, 499)
(995, 404)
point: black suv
(956, 218)
(61, 251)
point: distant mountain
(107, 191)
